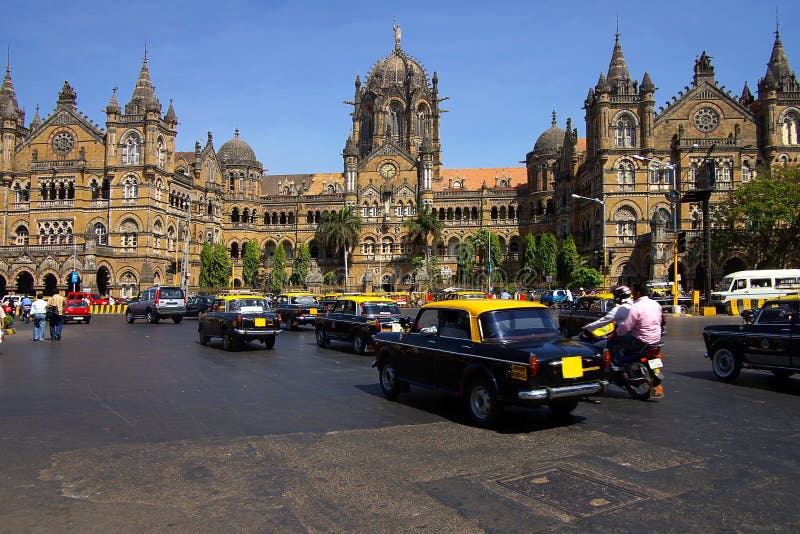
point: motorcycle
(640, 372)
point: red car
(77, 310)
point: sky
(279, 71)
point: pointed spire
(8, 96)
(589, 97)
(747, 96)
(36, 121)
(144, 95)
(617, 68)
(778, 62)
(350, 148)
(170, 116)
(602, 83)
(554, 122)
(113, 104)
(647, 84)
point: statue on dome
(397, 35)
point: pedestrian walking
(569, 300)
(38, 312)
(26, 308)
(56, 304)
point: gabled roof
(703, 91)
(64, 116)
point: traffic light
(681, 242)
(610, 254)
(172, 267)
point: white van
(756, 285)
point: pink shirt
(643, 321)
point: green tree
(567, 260)
(424, 226)
(278, 277)
(251, 261)
(528, 263)
(761, 218)
(329, 278)
(546, 254)
(215, 265)
(480, 242)
(301, 266)
(465, 262)
(586, 277)
(341, 231)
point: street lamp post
(602, 202)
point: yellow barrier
(100, 309)
(738, 305)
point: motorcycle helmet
(621, 293)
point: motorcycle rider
(617, 314)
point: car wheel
(322, 337)
(359, 345)
(483, 405)
(177, 319)
(287, 323)
(725, 364)
(202, 333)
(563, 408)
(782, 374)
(151, 317)
(684, 309)
(129, 317)
(390, 386)
(269, 342)
(227, 340)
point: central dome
(394, 70)
(236, 152)
(550, 140)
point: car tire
(151, 317)
(177, 319)
(322, 337)
(228, 341)
(390, 385)
(359, 345)
(129, 317)
(287, 323)
(269, 342)
(725, 364)
(563, 409)
(201, 331)
(483, 405)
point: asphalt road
(140, 428)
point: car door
(453, 348)
(767, 340)
(414, 354)
(334, 323)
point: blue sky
(280, 70)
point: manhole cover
(577, 494)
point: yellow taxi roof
(478, 306)
(235, 296)
(359, 299)
(297, 294)
(469, 292)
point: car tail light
(533, 364)
(607, 359)
(239, 321)
(278, 318)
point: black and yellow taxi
(491, 353)
(297, 308)
(355, 319)
(587, 309)
(768, 340)
(239, 317)
(465, 294)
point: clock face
(388, 170)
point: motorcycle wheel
(640, 381)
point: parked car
(355, 320)
(587, 309)
(554, 297)
(326, 302)
(94, 298)
(491, 353)
(297, 308)
(77, 310)
(197, 305)
(465, 294)
(237, 319)
(767, 341)
(156, 303)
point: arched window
(625, 176)
(368, 246)
(100, 234)
(158, 233)
(22, 235)
(95, 187)
(129, 231)
(235, 215)
(171, 241)
(396, 122)
(625, 131)
(790, 128)
(132, 150)
(423, 126)
(130, 188)
(162, 152)
(386, 245)
(746, 172)
(626, 225)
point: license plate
(260, 321)
(655, 363)
(397, 327)
(572, 367)
(312, 311)
(519, 372)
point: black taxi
(355, 319)
(237, 318)
(491, 353)
(587, 309)
(297, 308)
(768, 340)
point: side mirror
(749, 316)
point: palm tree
(425, 225)
(342, 231)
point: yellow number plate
(260, 321)
(519, 372)
(572, 367)
(312, 311)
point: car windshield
(304, 300)
(725, 285)
(75, 304)
(252, 305)
(95, 296)
(380, 308)
(516, 324)
(171, 293)
(472, 296)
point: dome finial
(554, 119)
(236, 133)
(397, 35)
